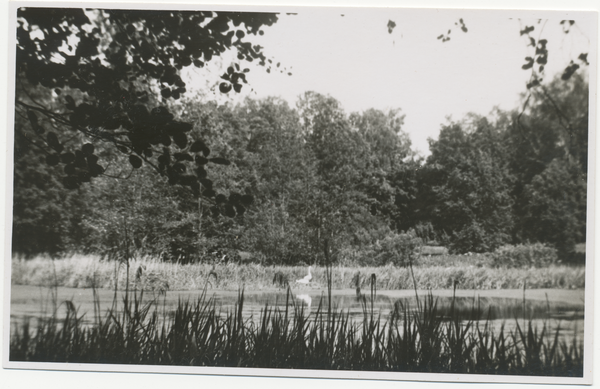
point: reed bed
(198, 334)
(89, 271)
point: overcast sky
(354, 59)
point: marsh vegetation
(419, 338)
(473, 272)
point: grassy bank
(197, 335)
(471, 272)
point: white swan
(306, 279)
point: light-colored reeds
(89, 271)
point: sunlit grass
(89, 271)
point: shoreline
(571, 296)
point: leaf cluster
(108, 67)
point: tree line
(112, 156)
(316, 173)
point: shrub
(476, 238)
(434, 250)
(524, 255)
(272, 235)
(397, 249)
(427, 233)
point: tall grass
(197, 334)
(471, 273)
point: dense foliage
(109, 76)
(112, 156)
(536, 255)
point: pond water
(555, 308)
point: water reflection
(468, 308)
(498, 313)
(305, 298)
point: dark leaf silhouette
(529, 63)
(80, 161)
(197, 146)
(96, 170)
(32, 118)
(135, 161)
(164, 159)
(221, 199)
(234, 198)
(209, 193)
(183, 157)
(200, 160)
(220, 161)
(180, 139)
(87, 149)
(390, 26)
(224, 87)
(188, 180)
(201, 173)
(527, 30)
(53, 159)
(67, 157)
(53, 142)
(229, 210)
(542, 59)
(208, 184)
(69, 169)
(239, 209)
(567, 24)
(71, 182)
(569, 71)
(179, 168)
(70, 103)
(246, 200)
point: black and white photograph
(365, 193)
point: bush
(434, 250)
(475, 238)
(397, 249)
(271, 234)
(524, 255)
(427, 233)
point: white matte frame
(589, 323)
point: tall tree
(554, 208)
(350, 184)
(470, 186)
(548, 154)
(387, 157)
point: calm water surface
(553, 308)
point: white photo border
(590, 324)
